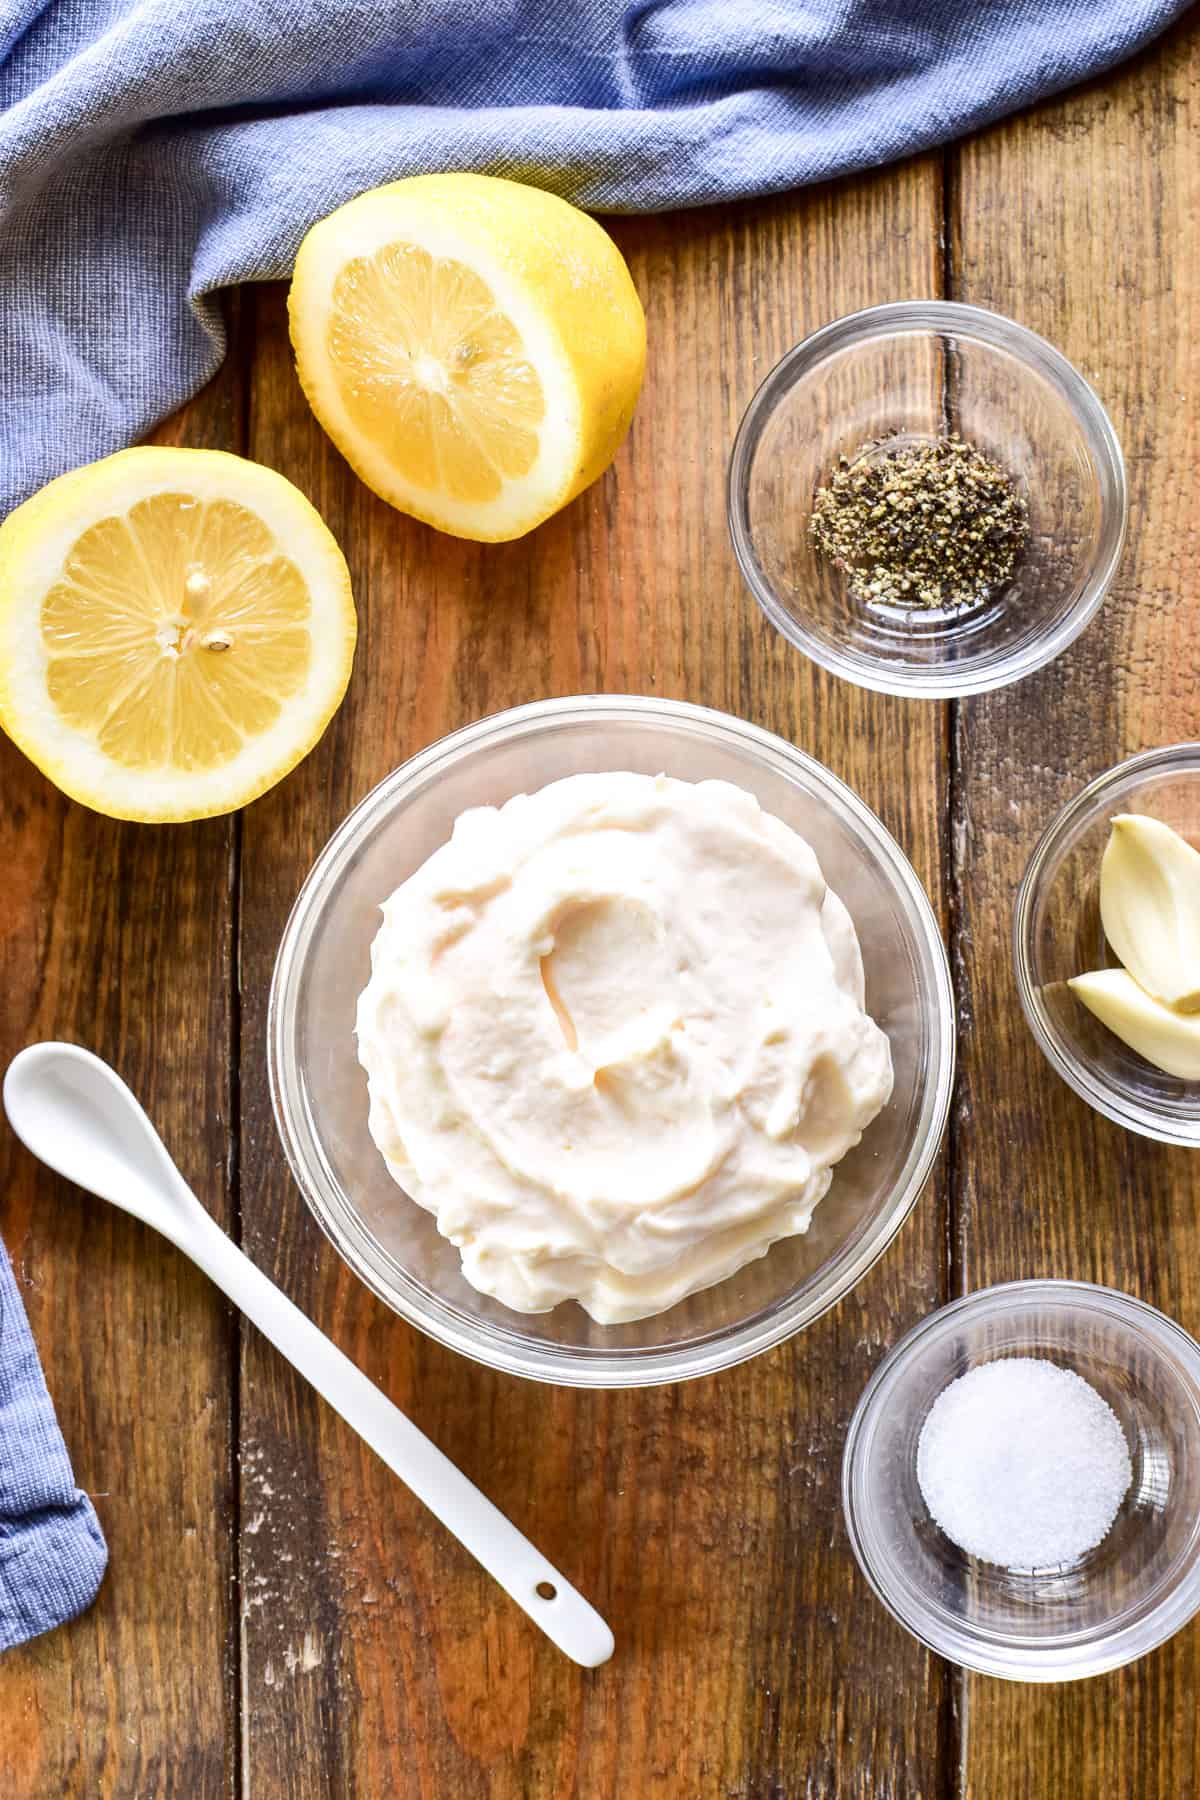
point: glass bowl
(918, 369)
(1057, 933)
(1129, 1594)
(320, 1092)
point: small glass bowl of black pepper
(927, 499)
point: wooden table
(279, 1617)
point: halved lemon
(176, 631)
(474, 348)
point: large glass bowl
(320, 1091)
(916, 369)
(1057, 933)
(1129, 1594)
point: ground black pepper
(929, 523)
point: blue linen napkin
(52, 1551)
(153, 151)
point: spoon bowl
(78, 1117)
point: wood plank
(119, 937)
(704, 1520)
(1099, 254)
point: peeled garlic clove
(1150, 907)
(1169, 1040)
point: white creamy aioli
(615, 1040)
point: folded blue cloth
(52, 1551)
(153, 151)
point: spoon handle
(522, 1571)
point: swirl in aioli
(615, 1041)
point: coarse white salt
(1023, 1464)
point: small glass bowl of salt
(1022, 1480)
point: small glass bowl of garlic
(1107, 944)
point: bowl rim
(1012, 1659)
(576, 1367)
(997, 331)
(1100, 1095)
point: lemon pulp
(432, 372)
(175, 633)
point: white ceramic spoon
(77, 1115)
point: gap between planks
(953, 1722)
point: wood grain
(704, 1520)
(1100, 256)
(119, 937)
